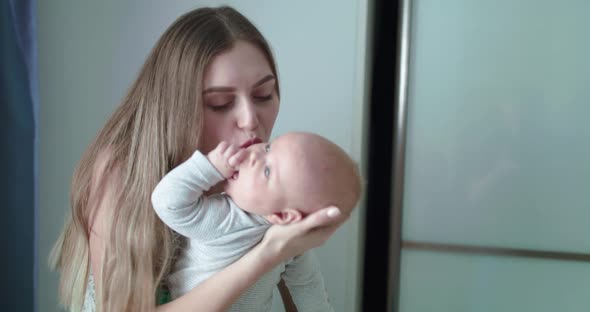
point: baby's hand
(226, 158)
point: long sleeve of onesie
(179, 202)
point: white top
(219, 233)
(89, 296)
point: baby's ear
(286, 216)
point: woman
(210, 77)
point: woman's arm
(280, 242)
(219, 291)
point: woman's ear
(285, 216)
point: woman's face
(239, 96)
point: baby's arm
(178, 198)
(306, 284)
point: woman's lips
(251, 141)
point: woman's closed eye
(221, 108)
(219, 103)
(264, 93)
(263, 98)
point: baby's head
(295, 175)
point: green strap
(162, 296)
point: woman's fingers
(285, 241)
(323, 218)
(317, 237)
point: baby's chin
(247, 205)
(252, 209)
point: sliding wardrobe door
(494, 199)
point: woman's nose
(248, 118)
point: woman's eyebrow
(219, 89)
(264, 80)
(260, 82)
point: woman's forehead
(242, 65)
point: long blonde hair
(156, 127)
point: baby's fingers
(230, 151)
(222, 147)
(236, 159)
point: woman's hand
(282, 242)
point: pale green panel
(498, 146)
(433, 281)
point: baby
(267, 183)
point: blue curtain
(18, 160)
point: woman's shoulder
(104, 164)
(104, 185)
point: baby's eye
(266, 171)
(267, 148)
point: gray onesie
(219, 233)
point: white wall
(90, 52)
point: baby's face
(261, 184)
